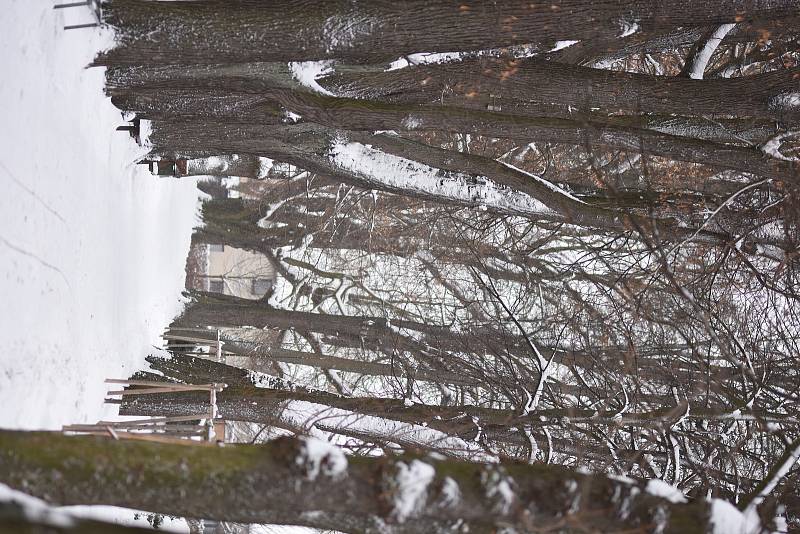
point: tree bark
(515, 84)
(369, 31)
(371, 115)
(302, 481)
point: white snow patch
(400, 173)
(773, 145)
(425, 58)
(264, 166)
(727, 519)
(307, 73)
(659, 488)
(36, 509)
(318, 456)
(125, 516)
(451, 493)
(628, 27)
(291, 116)
(92, 246)
(411, 488)
(560, 45)
(145, 131)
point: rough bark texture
(369, 30)
(280, 482)
(188, 106)
(513, 84)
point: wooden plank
(160, 427)
(152, 391)
(188, 329)
(152, 383)
(219, 386)
(175, 418)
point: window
(216, 248)
(216, 286)
(261, 286)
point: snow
(64, 516)
(727, 519)
(307, 414)
(437, 58)
(35, 509)
(92, 246)
(319, 456)
(773, 145)
(293, 117)
(498, 490)
(550, 185)
(451, 493)
(405, 174)
(560, 45)
(704, 56)
(785, 100)
(264, 166)
(307, 72)
(659, 488)
(410, 488)
(628, 28)
(788, 462)
(425, 58)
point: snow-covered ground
(92, 247)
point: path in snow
(92, 247)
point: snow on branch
(409, 488)
(406, 175)
(773, 145)
(307, 73)
(700, 61)
(777, 474)
(317, 457)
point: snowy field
(92, 247)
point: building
(229, 270)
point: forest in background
(536, 265)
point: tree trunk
(371, 31)
(308, 482)
(515, 84)
(372, 115)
